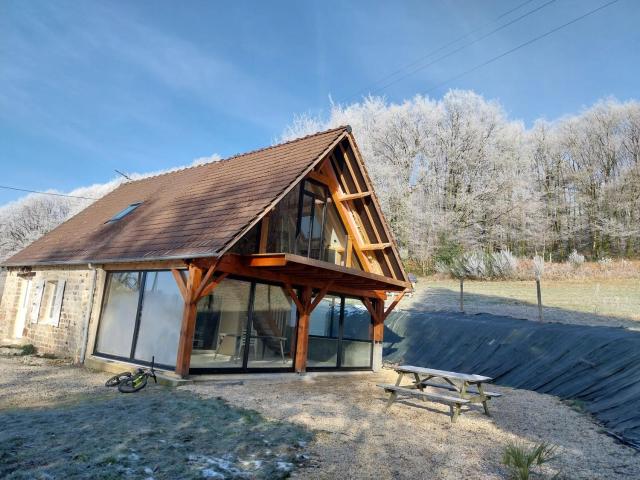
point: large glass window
(221, 327)
(118, 319)
(340, 334)
(160, 319)
(324, 333)
(283, 224)
(273, 323)
(306, 222)
(356, 335)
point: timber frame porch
(305, 280)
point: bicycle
(128, 382)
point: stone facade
(64, 339)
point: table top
(465, 377)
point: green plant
(28, 349)
(446, 253)
(521, 459)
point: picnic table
(462, 388)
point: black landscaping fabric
(599, 367)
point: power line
(453, 42)
(473, 42)
(46, 193)
(522, 45)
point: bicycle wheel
(133, 384)
(117, 379)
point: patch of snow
(284, 466)
(209, 473)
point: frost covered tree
(457, 171)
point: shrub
(446, 253)
(575, 259)
(28, 349)
(503, 264)
(475, 265)
(538, 267)
(520, 460)
(605, 262)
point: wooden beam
(321, 294)
(182, 284)
(354, 196)
(367, 247)
(345, 216)
(319, 177)
(347, 161)
(294, 296)
(212, 285)
(264, 233)
(349, 255)
(188, 326)
(234, 266)
(393, 305)
(279, 261)
(198, 293)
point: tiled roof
(194, 212)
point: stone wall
(65, 339)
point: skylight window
(125, 212)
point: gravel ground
(72, 427)
(357, 439)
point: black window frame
(314, 196)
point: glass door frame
(340, 343)
(136, 327)
(244, 368)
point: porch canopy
(305, 280)
(286, 268)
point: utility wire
(46, 193)
(444, 46)
(522, 45)
(473, 42)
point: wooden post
(302, 337)
(539, 291)
(462, 294)
(378, 321)
(187, 329)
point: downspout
(87, 315)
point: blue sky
(88, 87)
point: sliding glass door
(340, 335)
(141, 317)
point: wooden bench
(473, 390)
(454, 402)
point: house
(274, 260)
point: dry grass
(593, 301)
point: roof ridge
(239, 155)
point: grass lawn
(85, 430)
(591, 302)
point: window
(141, 317)
(49, 311)
(124, 213)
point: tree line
(457, 175)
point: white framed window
(36, 301)
(53, 292)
